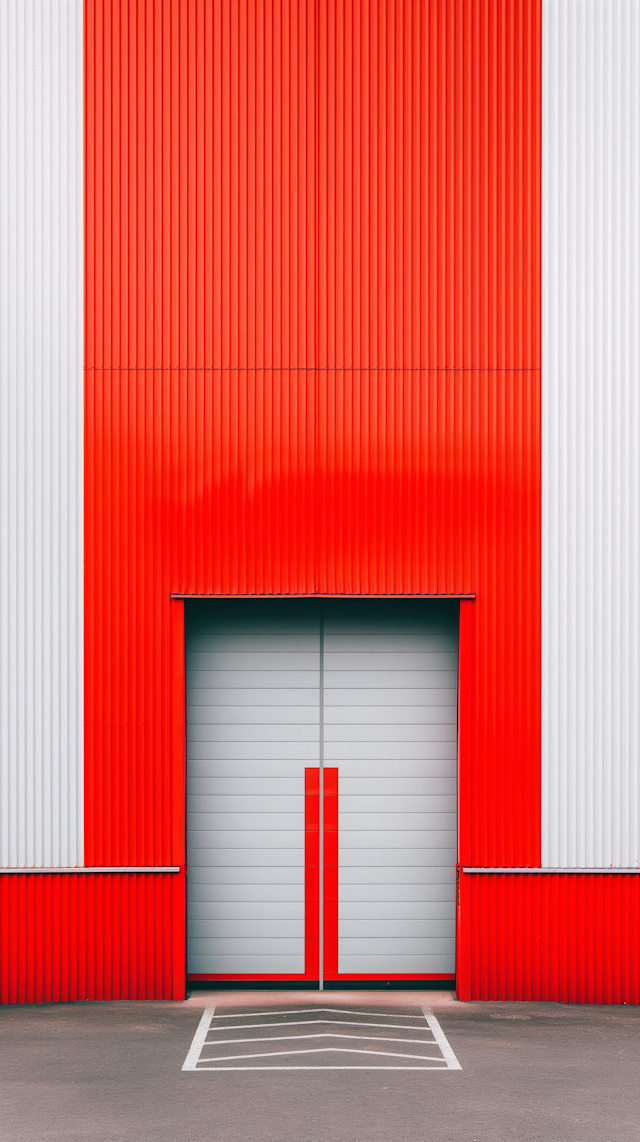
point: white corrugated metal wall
(591, 433)
(41, 432)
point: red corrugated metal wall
(87, 936)
(312, 360)
(574, 939)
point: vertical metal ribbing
(590, 430)
(41, 435)
(321, 822)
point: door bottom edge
(407, 983)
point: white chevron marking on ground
(326, 1050)
(321, 1035)
(425, 1025)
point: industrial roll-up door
(322, 788)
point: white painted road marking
(441, 1040)
(315, 1011)
(311, 1022)
(323, 1050)
(317, 1035)
(426, 1028)
(191, 1061)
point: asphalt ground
(112, 1071)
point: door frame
(179, 773)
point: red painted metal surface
(573, 939)
(313, 183)
(312, 349)
(88, 936)
(330, 878)
(433, 480)
(312, 362)
(312, 872)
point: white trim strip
(48, 870)
(556, 871)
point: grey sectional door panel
(390, 726)
(253, 726)
(390, 705)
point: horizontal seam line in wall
(312, 368)
(48, 869)
(552, 871)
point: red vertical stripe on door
(330, 875)
(311, 872)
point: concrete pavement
(106, 1072)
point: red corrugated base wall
(86, 936)
(574, 939)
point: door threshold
(194, 985)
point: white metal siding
(591, 433)
(390, 726)
(41, 433)
(253, 727)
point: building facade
(320, 496)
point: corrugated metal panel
(300, 184)
(427, 182)
(41, 433)
(249, 171)
(572, 939)
(200, 183)
(591, 458)
(91, 937)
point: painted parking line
(320, 1039)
